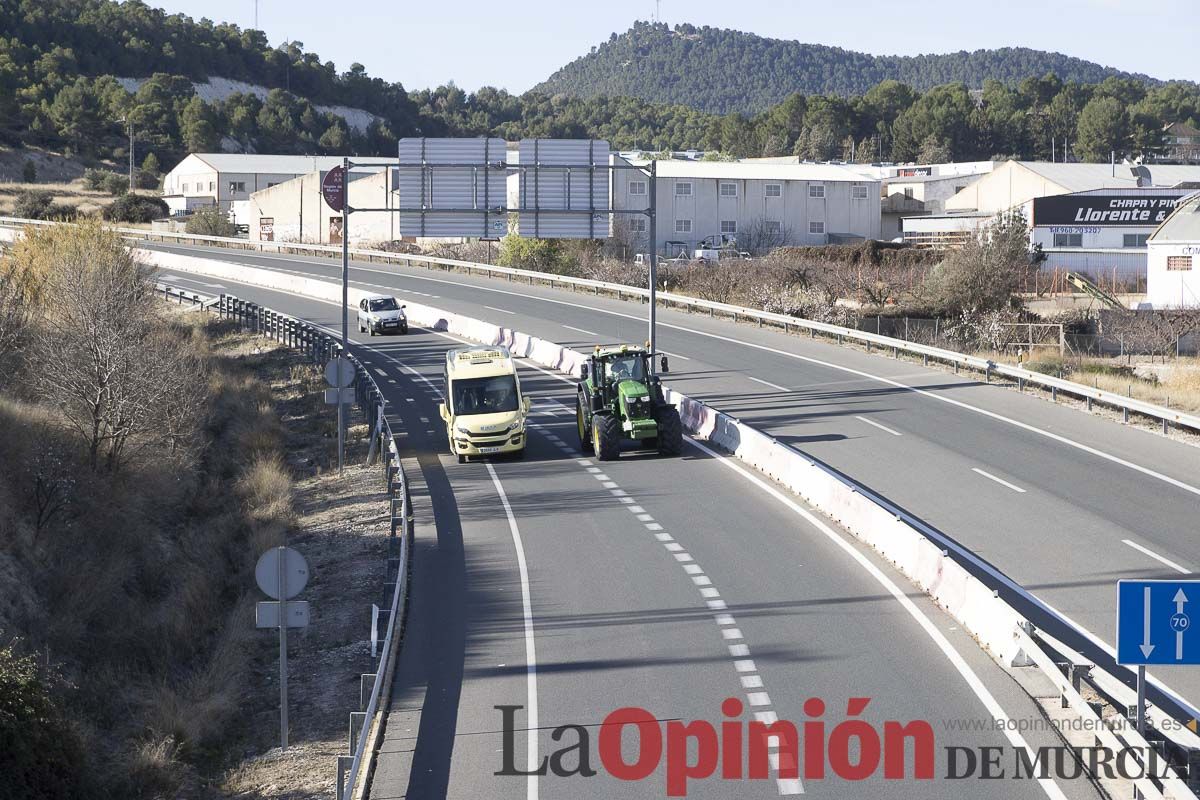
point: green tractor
(620, 399)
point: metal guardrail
(353, 769)
(986, 367)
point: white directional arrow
(1180, 598)
(1147, 648)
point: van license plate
(489, 449)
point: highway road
(664, 584)
(1064, 502)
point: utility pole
(653, 255)
(131, 158)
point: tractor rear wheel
(585, 432)
(606, 437)
(670, 431)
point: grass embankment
(1175, 384)
(126, 597)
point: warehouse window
(774, 190)
(816, 190)
(637, 187)
(185, 188)
(1179, 263)
(1068, 240)
(908, 191)
(212, 186)
(728, 190)
(637, 225)
(683, 189)
(858, 191)
(729, 226)
(683, 226)
(237, 186)
(816, 228)
(773, 227)
(1134, 239)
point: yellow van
(483, 407)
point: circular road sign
(333, 188)
(339, 372)
(295, 572)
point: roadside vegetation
(143, 468)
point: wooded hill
(723, 71)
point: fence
(986, 367)
(365, 725)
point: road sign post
(1153, 628)
(333, 189)
(282, 573)
(345, 303)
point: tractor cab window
(384, 304)
(485, 395)
(627, 368)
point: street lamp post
(132, 175)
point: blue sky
(516, 44)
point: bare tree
(106, 357)
(13, 307)
(762, 236)
(987, 272)
(1155, 333)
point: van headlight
(516, 426)
(462, 430)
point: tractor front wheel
(606, 437)
(670, 431)
(585, 433)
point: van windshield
(386, 304)
(485, 395)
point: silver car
(380, 313)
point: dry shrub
(266, 489)
(140, 586)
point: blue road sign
(1154, 622)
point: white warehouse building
(1173, 263)
(223, 179)
(753, 206)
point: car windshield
(627, 368)
(485, 395)
(385, 304)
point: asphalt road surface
(666, 584)
(1063, 502)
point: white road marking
(382, 372)
(739, 650)
(877, 425)
(994, 709)
(1000, 481)
(501, 310)
(531, 740)
(653, 526)
(1157, 557)
(768, 383)
(581, 330)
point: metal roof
(1183, 225)
(271, 164)
(743, 171)
(1081, 177)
